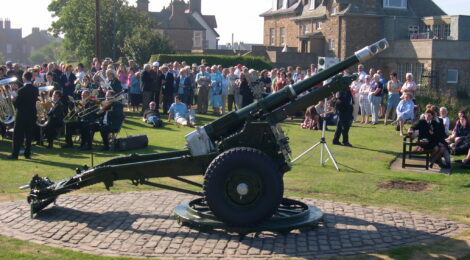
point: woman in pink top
(122, 76)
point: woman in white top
(355, 87)
(445, 118)
(409, 87)
(364, 103)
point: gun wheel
(242, 186)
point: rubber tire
(216, 176)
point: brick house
(185, 25)
(35, 41)
(420, 31)
(11, 42)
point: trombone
(101, 107)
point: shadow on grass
(51, 163)
(396, 154)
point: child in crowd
(311, 119)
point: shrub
(453, 104)
(255, 62)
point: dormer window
(402, 4)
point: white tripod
(324, 146)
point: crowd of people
(180, 90)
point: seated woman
(445, 119)
(460, 140)
(181, 114)
(405, 111)
(430, 138)
(312, 119)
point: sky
(242, 18)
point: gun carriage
(242, 155)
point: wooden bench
(409, 152)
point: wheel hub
(242, 189)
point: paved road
(141, 224)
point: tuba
(7, 110)
(43, 106)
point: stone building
(17, 49)
(424, 40)
(184, 24)
(11, 42)
(35, 41)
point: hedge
(252, 62)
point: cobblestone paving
(142, 224)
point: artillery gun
(242, 155)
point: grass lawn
(362, 168)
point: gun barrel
(224, 125)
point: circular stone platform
(142, 224)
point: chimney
(143, 5)
(195, 5)
(178, 7)
(35, 30)
(7, 24)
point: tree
(143, 43)
(53, 51)
(76, 21)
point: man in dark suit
(26, 114)
(169, 82)
(67, 82)
(344, 108)
(55, 117)
(157, 83)
(113, 116)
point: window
(395, 4)
(333, 10)
(272, 36)
(416, 69)
(436, 30)
(452, 76)
(197, 39)
(412, 31)
(312, 4)
(9, 48)
(319, 24)
(284, 4)
(447, 31)
(282, 33)
(275, 5)
(331, 44)
(306, 29)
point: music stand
(323, 146)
